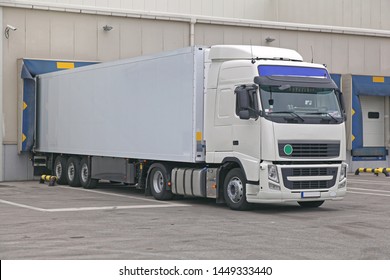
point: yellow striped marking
(24, 106)
(65, 65)
(199, 136)
(23, 137)
(353, 112)
(353, 137)
(378, 79)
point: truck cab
(279, 121)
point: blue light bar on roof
(277, 70)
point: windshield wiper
(323, 113)
(288, 112)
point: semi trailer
(239, 124)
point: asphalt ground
(117, 222)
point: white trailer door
(373, 111)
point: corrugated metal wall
(78, 35)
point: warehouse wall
(78, 35)
(371, 14)
(245, 9)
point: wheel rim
(158, 181)
(58, 170)
(235, 190)
(71, 171)
(84, 172)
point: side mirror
(246, 102)
(243, 98)
(244, 115)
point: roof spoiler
(295, 81)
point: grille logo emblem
(288, 149)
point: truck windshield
(300, 104)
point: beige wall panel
(185, 6)
(375, 14)
(288, 40)
(218, 8)
(150, 5)
(152, 37)
(131, 38)
(108, 41)
(91, 3)
(385, 18)
(115, 4)
(207, 7)
(196, 7)
(208, 34)
(252, 36)
(347, 16)
(86, 37)
(75, 2)
(161, 5)
(315, 47)
(228, 8)
(340, 46)
(366, 15)
(14, 47)
(138, 4)
(101, 3)
(372, 56)
(173, 6)
(252, 9)
(175, 36)
(37, 33)
(62, 36)
(356, 13)
(271, 33)
(356, 55)
(233, 35)
(385, 57)
(127, 4)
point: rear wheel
(60, 167)
(310, 204)
(235, 190)
(85, 175)
(73, 172)
(158, 182)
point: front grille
(309, 185)
(309, 150)
(309, 172)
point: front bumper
(315, 182)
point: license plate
(310, 194)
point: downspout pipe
(192, 31)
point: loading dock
(368, 128)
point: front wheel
(235, 190)
(310, 204)
(158, 182)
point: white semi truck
(240, 124)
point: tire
(59, 170)
(73, 172)
(85, 175)
(234, 190)
(158, 182)
(310, 204)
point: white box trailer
(241, 124)
(148, 108)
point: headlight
(273, 173)
(343, 171)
